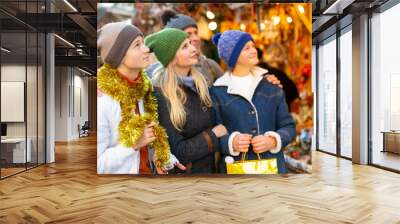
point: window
(346, 93)
(22, 90)
(327, 96)
(385, 89)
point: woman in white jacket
(126, 108)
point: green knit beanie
(165, 44)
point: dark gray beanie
(181, 22)
(114, 39)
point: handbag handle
(244, 156)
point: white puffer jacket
(112, 157)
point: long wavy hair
(167, 80)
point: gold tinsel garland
(132, 125)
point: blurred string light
(262, 26)
(242, 26)
(210, 15)
(300, 8)
(212, 25)
(289, 19)
(276, 20)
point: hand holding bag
(259, 166)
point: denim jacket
(266, 114)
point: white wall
(61, 103)
(71, 94)
(15, 73)
(33, 127)
(80, 102)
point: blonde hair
(167, 80)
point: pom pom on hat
(167, 15)
(215, 38)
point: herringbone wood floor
(70, 191)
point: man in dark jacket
(206, 66)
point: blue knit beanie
(230, 43)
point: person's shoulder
(222, 81)
(220, 87)
(211, 61)
(215, 66)
(271, 89)
(106, 104)
(214, 89)
(103, 97)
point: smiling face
(137, 55)
(187, 55)
(248, 55)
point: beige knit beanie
(114, 39)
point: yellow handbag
(260, 166)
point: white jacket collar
(226, 80)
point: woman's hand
(147, 136)
(219, 130)
(241, 142)
(165, 171)
(262, 143)
(271, 78)
(173, 162)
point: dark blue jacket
(190, 145)
(267, 111)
